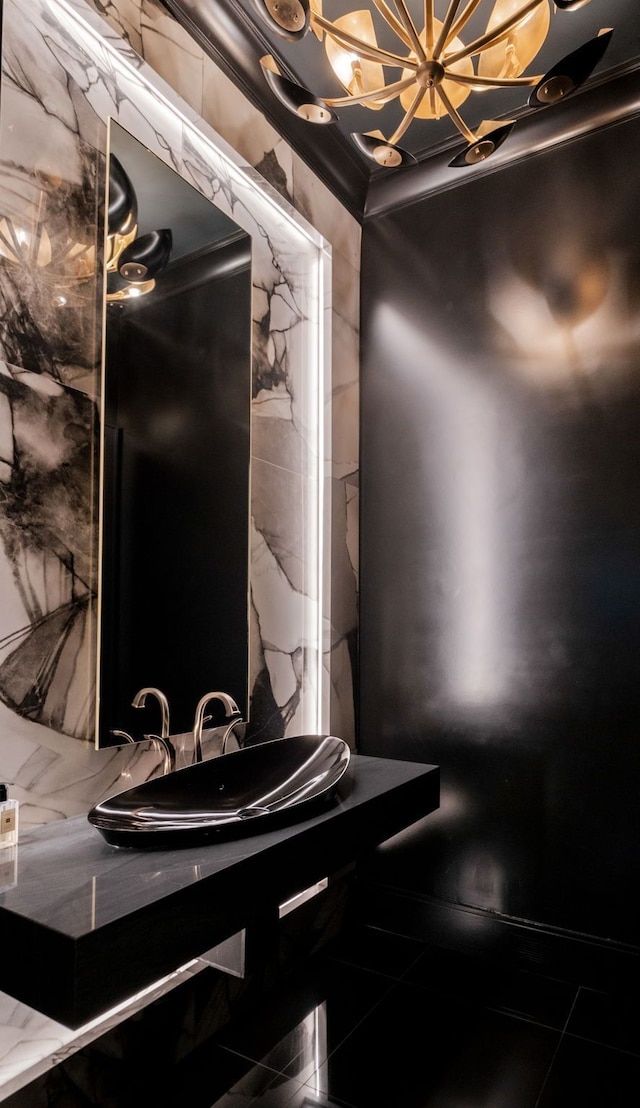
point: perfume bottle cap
(3, 792)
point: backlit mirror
(174, 505)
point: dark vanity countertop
(88, 924)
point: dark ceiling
(235, 35)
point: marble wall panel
(59, 87)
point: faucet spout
(231, 710)
(124, 735)
(140, 700)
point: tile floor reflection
(384, 1022)
(379, 1021)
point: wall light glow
(461, 460)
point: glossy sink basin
(247, 791)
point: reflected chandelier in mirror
(132, 261)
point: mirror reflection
(173, 611)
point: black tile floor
(379, 1021)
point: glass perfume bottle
(8, 819)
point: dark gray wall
(500, 610)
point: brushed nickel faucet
(162, 740)
(140, 700)
(232, 712)
(124, 735)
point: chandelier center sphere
(429, 74)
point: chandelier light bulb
(357, 75)
(510, 57)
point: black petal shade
(570, 72)
(298, 99)
(146, 255)
(482, 148)
(288, 18)
(123, 205)
(381, 152)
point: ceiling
(235, 35)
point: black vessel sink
(249, 790)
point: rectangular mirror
(175, 449)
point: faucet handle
(236, 720)
(232, 711)
(167, 750)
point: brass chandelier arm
(443, 37)
(408, 118)
(455, 117)
(393, 21)
(461, 22)
(364, 49)
(380, 95)
(405, 16)
(492, 38)
(491, 82)
(428, 26)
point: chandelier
(435, 69)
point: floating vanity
(89, 924)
